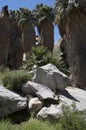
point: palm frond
(41, 11)
(65, 8)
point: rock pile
(41, 98)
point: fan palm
(16, 45)
(4, 35)
(71, 19)
(43, 17)
(27, 29)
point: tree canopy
(65, 8)
(43, 11)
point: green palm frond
(25, 17)
(42, 11)
(25, 13)
(22, 15)
(14, 15)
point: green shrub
(35, 124)
(3, 70)
(14, 80)
(40, 56)
(72, 119)
(6, 125)
(35, 57)
(32, 124)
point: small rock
(53, 112)
(35, 104)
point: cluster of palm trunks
(72, 27)
(16, 40)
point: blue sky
(30, 4)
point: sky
(30, 4)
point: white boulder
(50, 76)
(41, 91)
(74, 95)
(10, 102)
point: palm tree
(71, 20)
(27, 29)
(16, 48)
(4, 35)
(44, 16)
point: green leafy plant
(40, 56)
(72, 119)
(32, 124)
(6, 125)
(42, 11)
(25, 16)
(14, 80)
(35, 57)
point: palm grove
(17, 31)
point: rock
(28, 90)
(35, 104)
(74, 95)
(50, 76)
(41, 91)
(10, 102)
(52, 112)
(67, 97)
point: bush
(35, 57)
(32, 124)
(40, 56)
(72, 119)
(14, 80)
(5, 125)
(35, 124)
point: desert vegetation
(22, 37)
(71, 119)
(13, 80)
(18, 36)
(40, 56)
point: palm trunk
(16, 48)
(74, 34)
(46, 31)
(28, 36)
(4, 39)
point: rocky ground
(44, 95)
